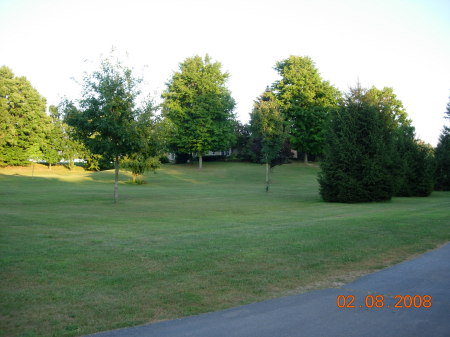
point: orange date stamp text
(381, 301)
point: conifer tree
(442, 158)
(356, 164)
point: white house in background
(226, 153)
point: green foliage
(268, 130)
(306, 100)
(413, 165)
(447, 112)
(138, 164)
(241, 145)
(152, 133)
(442, 157)
(199, 107)
(424, 166)
(372, 153)
(390, 106)
(53, 147)
(106, 118)
(442, 160)
(267, 127)
(72, 147)
(24, 126)
(356, 162)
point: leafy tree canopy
(24, 124)
(268, 129)
(305, 100)
(153, 142)
(200, 107)
(105, 119)
(390, 106)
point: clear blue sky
(395, 43)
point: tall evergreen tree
(200, 107)
(355, 167)
(442, 161)
(412, 169)
(24, 124)
(442, 157)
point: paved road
(316, 314)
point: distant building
(172, 156)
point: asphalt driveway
(413, 300)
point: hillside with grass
(187, 241)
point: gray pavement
(317, 314)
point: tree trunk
(116, 180)
(305, 158)
(200, 161)
(267, 176)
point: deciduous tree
(105, 119)
(269, 130)
(152, 143)
(305, 100)
(53, 147)
(24, 124)
(199, 107)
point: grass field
(189, 241)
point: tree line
(364, 141)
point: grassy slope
(187, 242)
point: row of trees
(364, 138)
(27, 132)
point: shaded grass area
(188, 241)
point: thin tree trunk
(116, 180)
(305, 158)
(267, 176)
(200, 161)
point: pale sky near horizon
(402, 44)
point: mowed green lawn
(189, 241)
